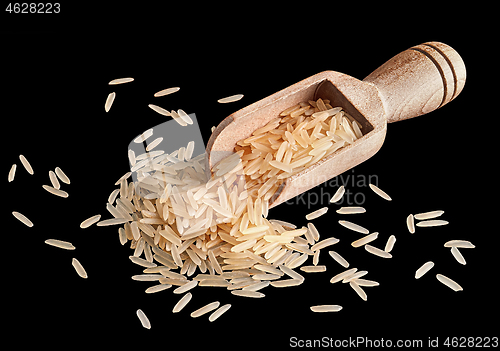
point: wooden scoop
(412, 83)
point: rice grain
(424, 269)
(317, 213)
(220, 311)
(458, 255)
(365, 240)
(205, 309)
(144, 320)
(12, 172)
(377, 252)
(380, 192)
(62, 176)
(89, 221)
(247, 293)
(182, 303)
(354, 227)
(449, 283)
(338, 194)
(160, 110)
(53, 180)
(351, 210)
(22, 218)
(428, 215)
(432, 223)
(60, 244)
(109, 101)
(390, 243)
(26, 164)
(54, 191)
(340, 260)
(459, 243)
(410, 223)
(231, 98)
(121, 81)
(358, 290)
(167, 91)
(326, 308)
(79, 268)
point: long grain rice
(351, 210)
(410, 223)
(324, 243)
(342, 275)
(340, 260)
(79, 268)
(57, 192)
(53, 180)
(247, 293)
(313, 269)
(380, 192)
(156, 288)
(109, 101)
(184, 116)
(166, 91)
(219, 312)
(428, 215)
(449, 283)
(316, 214)
(26, 164)
(160, 110)
(22, 218)
(338, 194)
(458, 255)
(142, 262)
(60, 244)
(231, 98)
(182, 302)
(144, 320)
(326, 308)
(377, 252)
(121, 81)
(286, 283)
(432, 223)
(141, 138)
(358, 290)
(354, 227)
(62, 176)
(89, 221)
(390, 243)
(459, 243)
(424, 269)
(12, 173)
(205, 309)
(365, 240)
(154, 144)
(365, 282)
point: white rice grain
(166, 91)
(79, 268)
(154, 144)
(247, 293)
(449, 283)
(459, 243)
(182, 303)
(112, 221)
(156, 288)
(424, 269)
(351, 210)
(358, 290)
(326, 308)
(160, 110)
(22, 218)
(340, 260)
(286, 283)
(338, 194)
(231, 98)
(324, 243)
(432, 223)
(220, 311)
(60, 244)
(317, 213)
(186, 287)
(380, 192)
(342, 275)
(205, 309)
(142, 262)
(377, 252)
(458, 255)
(62, 176)
(313, 269)
(12, 173)
(148, 133)
(354, 227)
(410, 223)
(365, 282)
(428, 215)
(54, 181)
(57, 192)
(365, 240)
(89, 221)
(26, 164)
(109, 101)
(184, 116)
(144, 320)
(390, 243)
(121, 81)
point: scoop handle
(419, 80)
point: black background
(54, 84)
